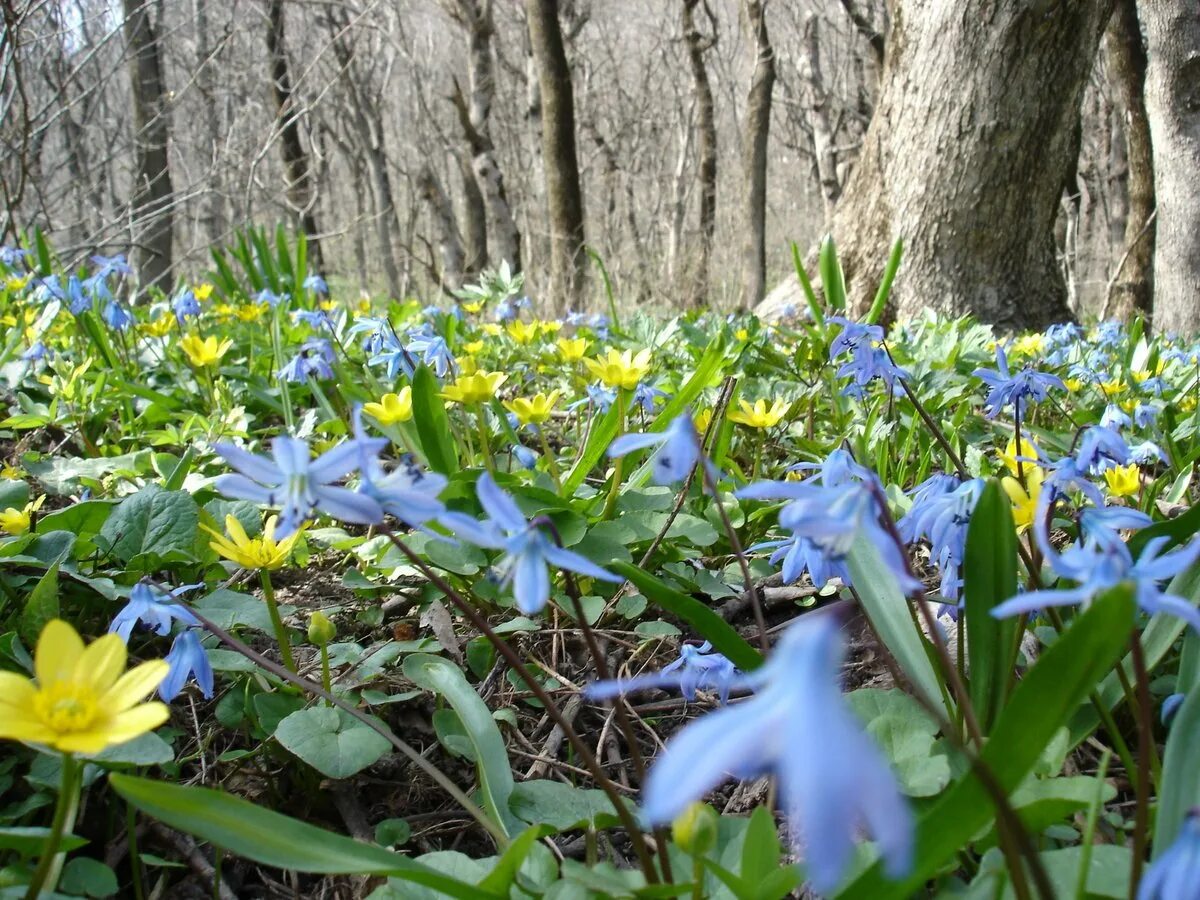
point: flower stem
(45, 878)
(326, 680)
(481, 422)
(551, 463)
(614, 489)
(281, 636)
(1145, 748)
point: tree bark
(474, 220)
(474, 113)
(1133, 287)
(966, 159)
(755, 132)
(816, 104)
(153, 195)
(706, 141)
(1172, 30)
(449, 242)
(301, 189)
(564, 195)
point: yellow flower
(493, 329)
(260, 552)
(11, 472)
(250, 312)
(1024, 497)
(1029, 451)
(549, 327)
(1123, 481)
(18, 521)
(1111, 388)
(1074, 385)
(158, 327)
(620, 370)
(522, 333)
(473, 307)
(224, 311)
(1128, 405)
(206, 352)
(759, 415)
(472, 347)
(82, 700)
(572, 350)
(1029, 344)
(742, 334)
(1139, 375)
(391, 408)
(703, 420)
(467, 365)
(202, 291)
(474, 389)
(533, 410)
(14, 284)
(1187, 404)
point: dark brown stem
(1145, 748)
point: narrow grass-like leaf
(446, 679)
(707, 623)
(833, 281)
(989, 578)
(1041, 704)
(885, 285)
(810, 296)
(601, 435)
(1179, 789)
(258, 834)
(432, 423)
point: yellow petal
(58, 648)
(15, 691)
(236, 532)
(136, 721)
(22, 726)
(134, 686)
(102, 663)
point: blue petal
(627, 443)
(239, 487)
(260, 468)
(347, 505)
(566, 559)
(482, 534)
(499, 505)
(531, 582)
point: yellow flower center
(66, 706)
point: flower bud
(695, 831)
(320, 630)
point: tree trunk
(474, 114)
(449, 242)
(756, 131)
(706, 141)
(966, 159)
(563, 193)
(153, 222)
(301, 191)
(816, 107)
(1133, 287)
(1172, 30)
(474, 220)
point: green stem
(551, 462)
(135, 859)
(326, 680)
(614, 490)
(45, 878)
(481, 424)
(281, 636)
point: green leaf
(331, 741)
(707, 623)
(81, 519)
(152, 521)
(906, 733)
(495, 775)
(258, 834)
(832, 279)
(885, 285)
(1178, 530)
(40, 606)
(28, 841)
(501, 878)
(600, 435)
(990, 578)
(887, 608)
(1042, 702)
(810, 296)
(229, 609)
(563, 807)
(1180, 786)
(145, 750)
(432, 423)
(88, 878)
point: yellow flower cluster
(620, 370)
(759, 415)
(391, 408)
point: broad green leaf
(904, 731)
(887, 608)
(495, 775)
(84, 877)
(990, 578)
(28, 840)
(563, 807)
(258, 834)
(331, 741)
(152, 521)
(432, 424)
(1042, 702)
(40, 606)
(145, 750)
(707, 623)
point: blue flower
(646, 396)
(525, 457)
(408, 492)
(77, 300)
(1145, 414)
(117, 316)
(433, 352)
(833, 780)
(527, 549)
(867, 362)
(1175, 875)
(1100, 448)
(314, 318)
(112, 264)
(506, 310)
(799, 555)
(316, 284)
(575, 319)
(313, 361)
(940, 513)
(1146, 452)
(1170, 706)
(268, 296)
(13, 257)
(299, 485)
(152, 607)
(1007, 389)
(852, 337)
(36, 353)
(678, 449)
(184, 305)
(187, 659)
(697, 669)
(599, 397)
(1115, 418)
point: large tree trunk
(1172, 29)
(301, 190)
(816, 105)
(153, 222)
(755, 132)
(706, 140)
(563, 193)
(450, 246)
(966, 158)
(1133, 284)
